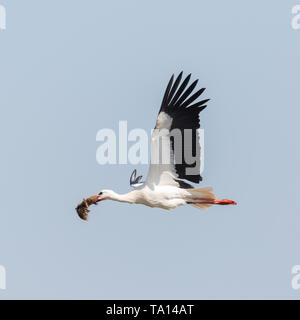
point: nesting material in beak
(83, 208)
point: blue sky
(70, 68)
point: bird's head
(105, 194)
(83, 208)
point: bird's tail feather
(200, 195)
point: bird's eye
(99, 194)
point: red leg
(224, 202)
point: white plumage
(173, 160)
(163, 196)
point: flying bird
(175, 137)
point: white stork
(164, 186)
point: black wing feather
(200, 103)
(166, 95)
(193, 98)
(180, 90)
(177, 103)
(175, 86)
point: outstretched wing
(135, 181)
(175, 147)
